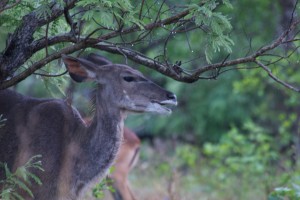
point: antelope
(75, 156)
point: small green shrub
(244, 157)
(290, 192)
(240, 150)
(104, 185)
(187, 155)
(20, 179)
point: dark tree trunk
(286, 18)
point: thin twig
(51, 75)
(268, 70)
(141, 10)
(46, 37)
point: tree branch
(18, 49)
(275, 78)
(42, 63)
(4, 6)
(250, 58)
(138, 58)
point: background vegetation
(232, 136)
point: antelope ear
(79, 69)
(98, 60)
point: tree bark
(19, 49)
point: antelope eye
(128, 78)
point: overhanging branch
(4, 5)
(18, 50)
(195, 75)
(40, 64)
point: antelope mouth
(168, 102)
(162, 107)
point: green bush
(20, 179)
(187, 155)
(289, 192)
(243, 161)
(103, 185)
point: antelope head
(125, 87)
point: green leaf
(227, 3)
(217, 25)
(23, 186)
(17, 196)
(35, 178)
(20, 179)
(88, 15)
(44, 11)
(7, 171)
(22, 173)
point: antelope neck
(102, 140)
(105, 132)
(108, 117)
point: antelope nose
(172, 96)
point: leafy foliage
(216, 24)
(240, 152)
(21, 179)
(282, 193)
(104, 12)
(104, 185)
(186, 156)
(291, 192)
(246, 157)
(100, 188)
